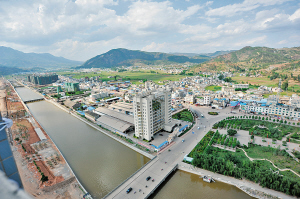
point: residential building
(72, 87)
(152, 112)
(240, 86)
(284, 111)
(42, 79)
(207, 100)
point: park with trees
(238, 165)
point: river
(101, 163)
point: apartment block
(42, 79)
(152, 111)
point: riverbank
(251, 188)
(111, 135)
(101, 130)
(63, 182)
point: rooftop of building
(120, 116)
(114, 123)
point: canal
(101, 163)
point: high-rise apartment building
(42, 79)
(152, 111)
(72, 87)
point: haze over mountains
(13, 61)
(14, 58)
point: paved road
(178, 150)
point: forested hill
(260, 55)
(14, 58)
(125, 57)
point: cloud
(253, 41)
(80, 29)
(209, 3)
(283, 42)
(237, 8)
(295, 16)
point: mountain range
(252, 58)
(14, 58)
(125, 57)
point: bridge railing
(174, 168)
(129, 177)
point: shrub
(231, 132)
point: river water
(101, 163)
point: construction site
(43, 170)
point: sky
(82, 29)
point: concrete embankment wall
(94, 126)
(102, 131)
(27, 109)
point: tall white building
(152, 111)
(207, 100)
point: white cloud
(209, 3)
(254, 41)
(247, 5)
(283, 42)
(295, 16)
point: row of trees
(257, 171)
(258, 127)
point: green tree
(285, 85)
(231, 132)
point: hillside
(260, 55)
(252, 59)
(14, 58)
(124, 57)
(5, 70)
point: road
(166, 160)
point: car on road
(161, 134)
(183, 140)
(202, 115)
(198, 127)
(148, 178)
(129, 190)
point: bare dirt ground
(43, 154)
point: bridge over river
(167, 161)
(157, 169)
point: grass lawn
(265, 81)
(184, 115)
(280, 159)
(213, 88)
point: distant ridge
(14, 58)
(260, 55)
(215, 54)
(125, 57)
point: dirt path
(252, 159)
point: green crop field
(133, 76)
(213, 88)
